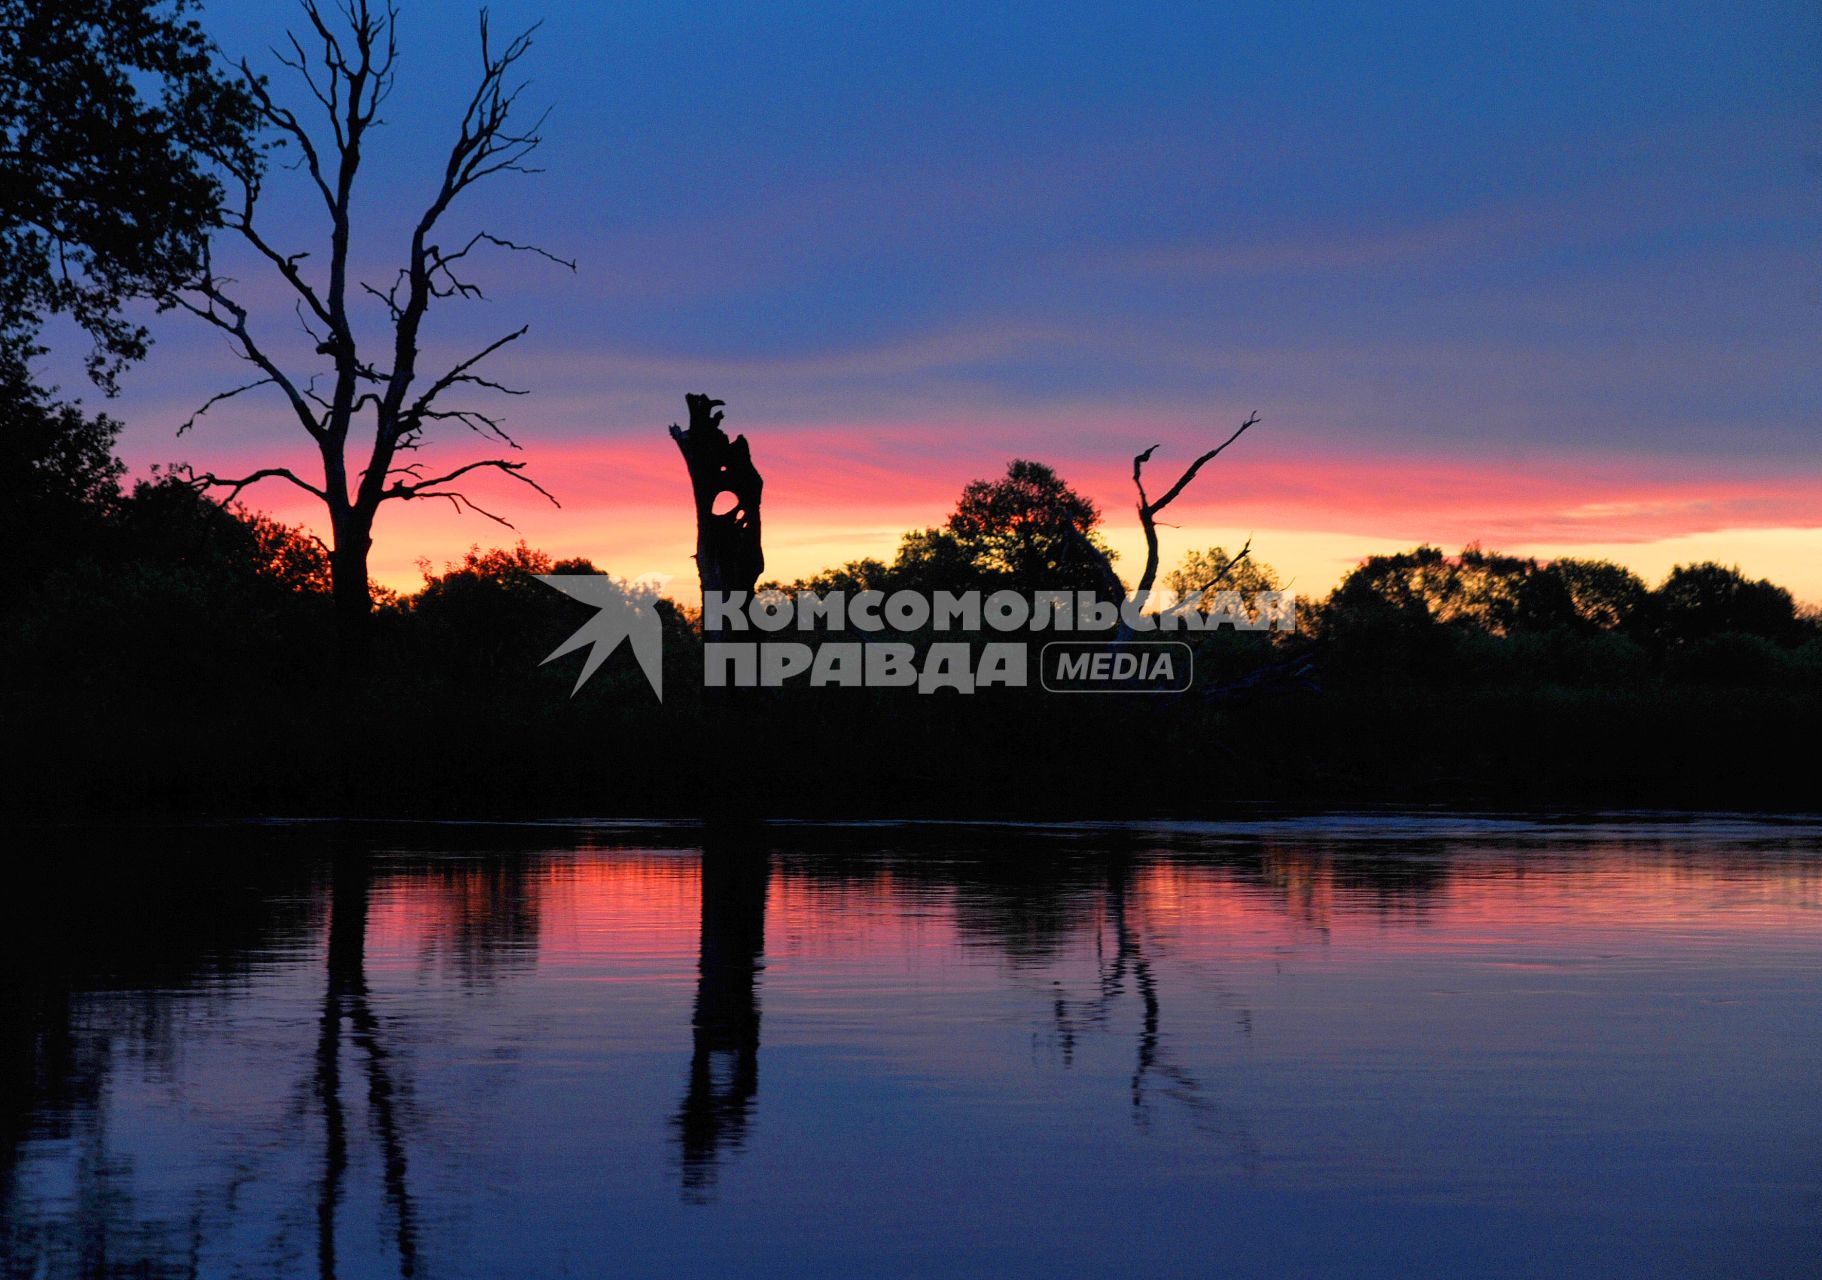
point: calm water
(1368, 1047)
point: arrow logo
(626, 611)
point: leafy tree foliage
(1198, 571)
(1702, 600)
(1483, 590)
(58, 473)
(1028, 528)
(1025, 531)
(112, 118)
(166, 522)
(1604, 595)
(1425, 616)
(869, 574)
(482, 613)
(485, 624)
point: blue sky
(908, 242)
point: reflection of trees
(1047, 896)
(104, 945)
(97, 937)
(1309, 884)
(96, 963)
(724, 1058)
(1031, 913)
(486, 917)
(1155, 1068)
(1313, 881)
(346, 999)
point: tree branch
(439, 263)
(402, 489)
(231, 318)
(1190, 474)
(1227, 571)
(411, 419)
(1148, 510)
(286, 263)
(286, 121)
(208, 480)
(217, 398)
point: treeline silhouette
(170, 654)
(114, 932)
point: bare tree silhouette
(348, 70)
(1148, 518)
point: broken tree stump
(727, 488)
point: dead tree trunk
(352, 594)
(727, 487)
(729, 558)
(347, 63)
(1148, 521)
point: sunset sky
(1546, 276)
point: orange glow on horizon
(828, 501)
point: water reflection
(340, 1051)
(90, 972)
(1129, 970)
(724, 1057)
(347, 1004)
